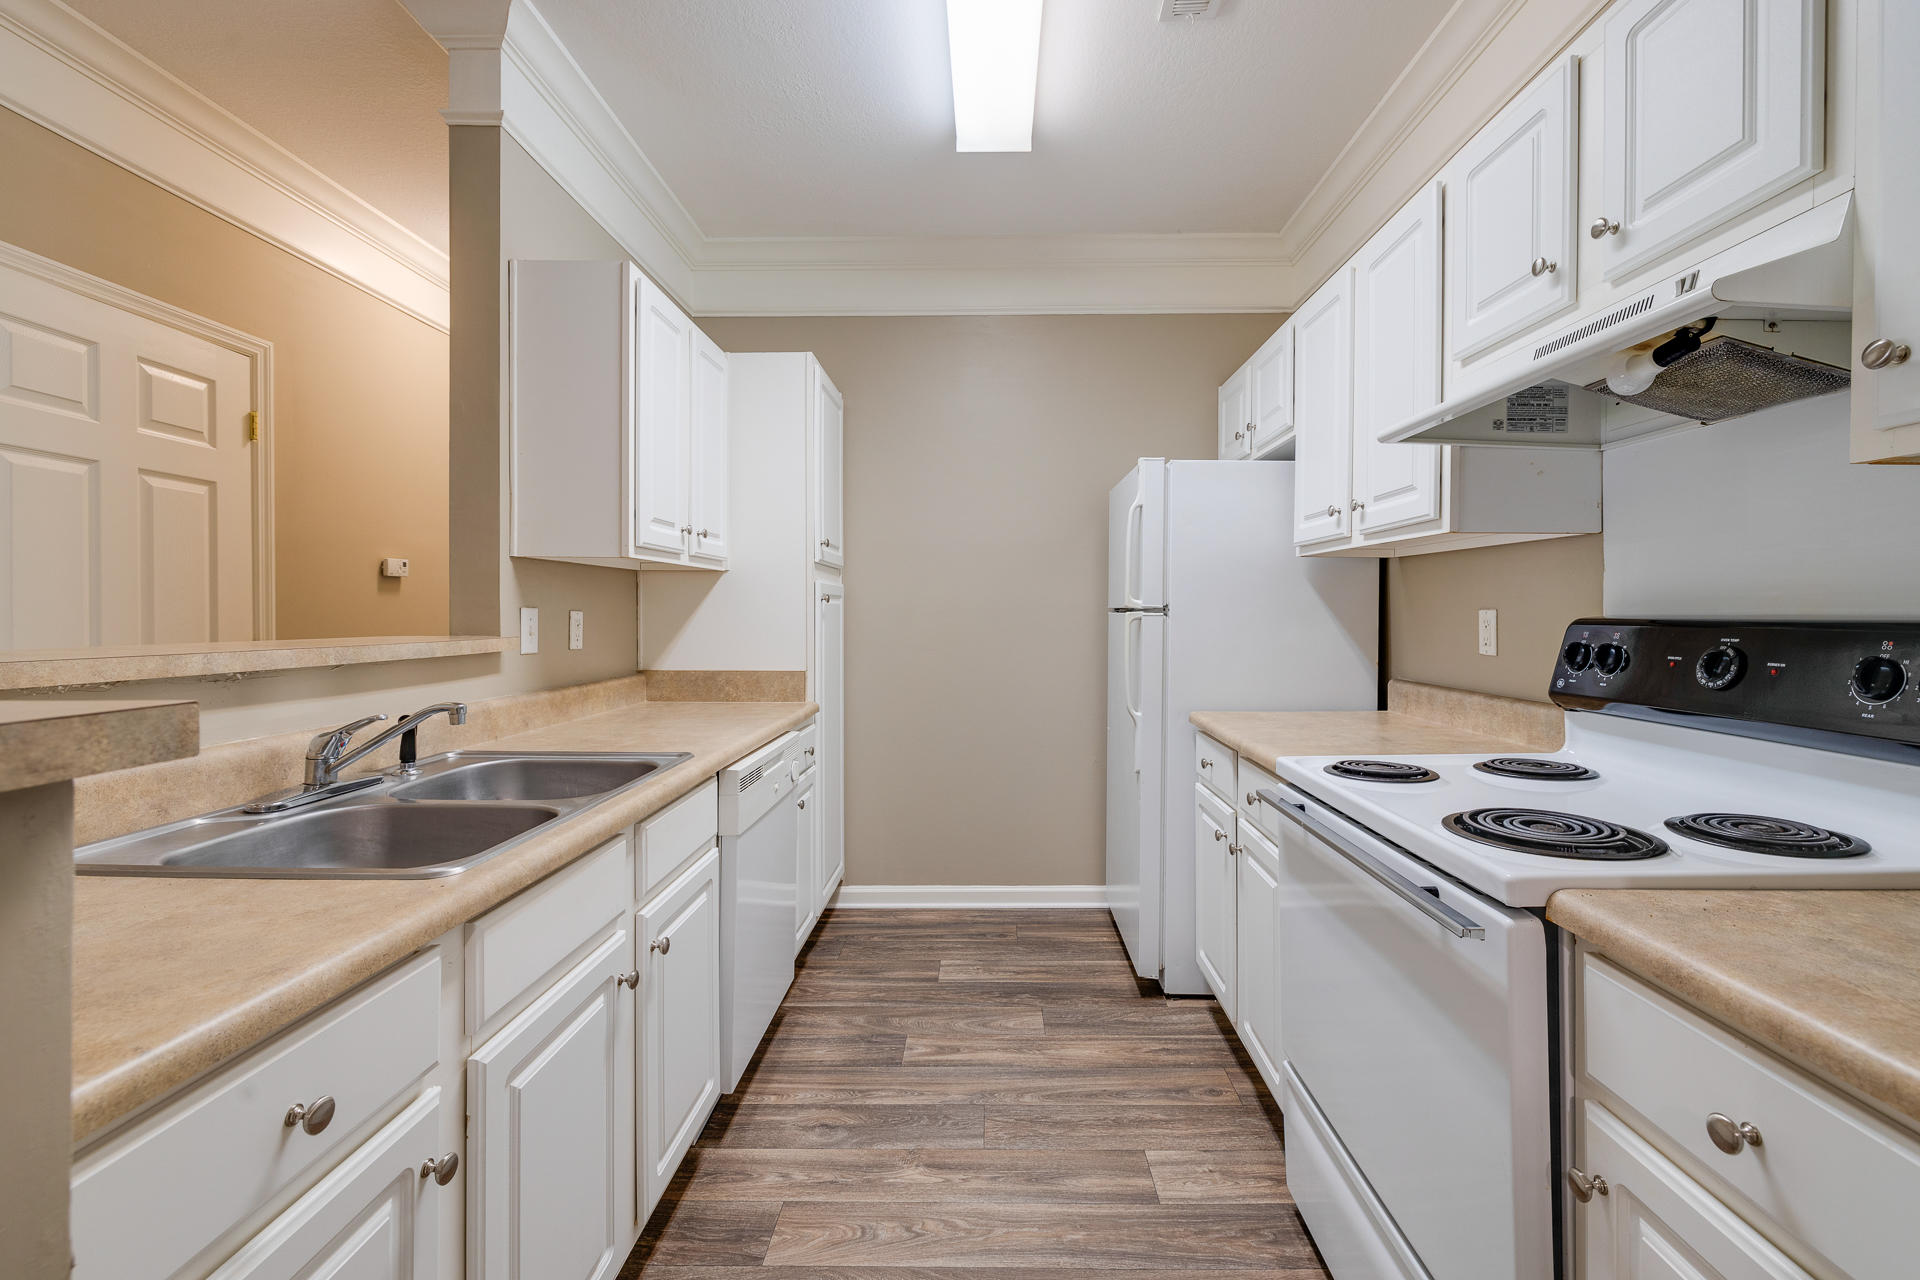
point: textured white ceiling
(835, 117)
(352, 87)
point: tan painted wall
(979, 452)
(360, 388)
(1434, 601)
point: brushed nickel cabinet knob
(1603, 227)
(1586, 1186)
(662, 945)
(1883, 352)
(629, 979)
(1730, 1135)
(441, 1168)
(312, 1117)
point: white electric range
(1418, 976)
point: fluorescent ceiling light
(995, 47)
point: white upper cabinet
(1270, 393)
(1510, 218)
(617, 417)
(663, 436)
(1886, 307)
(1396, 363)
(707, 479)
(828, 415)
(1236, 418)
(1712, 106)
(1323, 412)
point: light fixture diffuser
(994, 46)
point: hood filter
(1730, 378)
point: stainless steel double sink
(452, 812)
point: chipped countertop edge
(143, 1074)
(45, 742)
(1811, 1002)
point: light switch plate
(1489, 637)
(529, 630)
(576, 629)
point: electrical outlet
(394, 567)
(1489, 637)
(576, 629)
(529, 631)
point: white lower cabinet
(679, 938)
(1215, 890)
(1257, 930)
(376, 1217)
(550, 1099)
(830, 691)
(1653, 1222)
(806, 861)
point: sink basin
(528, 778)
(363, 838)
(454, 811)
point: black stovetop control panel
(1859, 679)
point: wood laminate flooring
(948, 1092)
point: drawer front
(1829, 1173)
(146, 1202)
(1213, 765)
(514, 946)
(1251, 779)
(673, 837)
(804, 751)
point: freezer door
(1136, 764)
(1136, 538)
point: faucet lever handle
(333, 741)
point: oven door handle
(1425, 901)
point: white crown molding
(61, 71)
(864, 897)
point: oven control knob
(1612, 659)
(1878, 679)
(1720, 668)
(1578, 656)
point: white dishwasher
(759, 885)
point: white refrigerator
(1209, 609)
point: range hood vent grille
(1172, 9)
(1730, 378)
(1620, 315)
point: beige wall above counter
(979, 452)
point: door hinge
(253, 427)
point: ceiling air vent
(1171, 9)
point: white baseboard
(860, 897)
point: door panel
(829, 655)
(1885, 402)
(1271, 392)
(1510, 210)
(829, 425)
(1215, 893)
(550, 1102)
(1257, 926)
(806, 911)
(1712, 106)
(1323, 412)
(1236, 420)
(663, 421)
(710, 509)
(126, 476)
(1396, 359)
(680, 1027)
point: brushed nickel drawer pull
(1730, 1135)
(312, 1117)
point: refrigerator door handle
(1136, 525)
(1133, 682)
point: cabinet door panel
(1886, 401)
(1712, 106)
(1257, 915)
(1236, 421)
(829, 424)
(1215, 891)
(1396, 361)
(1323, 412)
(551, 1130)
(1271, 392)
(1510, 211)
(710, 508)
(1656, 1223)
(662, 422)
(806, 910)
(373, 1218)
(829, 656)
(679, 935)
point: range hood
(1779, 303)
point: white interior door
(1712, 106)
(663, 427)
(550, 1110)
(829, 655)
(1323, 412)
(708, 486)
(1510, 211)
(1396, 360)
(680, 986)
(126, 476)
(829, 425)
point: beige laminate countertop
(1827, 977)
(42, 742)
(1265, 736)
(172, 977)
